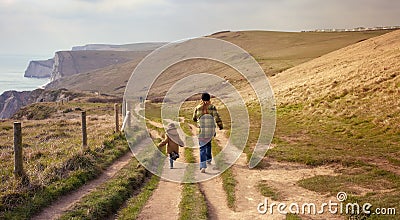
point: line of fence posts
(18, 158)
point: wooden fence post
(18, 165)
(84, 131)
(116, 117)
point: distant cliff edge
(87, 58)
(68, 63)
(39, 68)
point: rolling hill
(275, 51)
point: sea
(12, 69)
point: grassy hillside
(343, 108)
(275, 51)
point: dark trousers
(205, 154)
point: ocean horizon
(12, 69)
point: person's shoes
(209, 162)
(203, 170)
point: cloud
(47, 25)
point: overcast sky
(41, 27)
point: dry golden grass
(48, 143)
(362, 80)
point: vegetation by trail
(106, 200)
(228, 178)
(135, 204)
(54, 161)
(193, 205)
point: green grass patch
(292, 217)
(229, 185)
(152, 127)
(316, 140)
(394, 161)
(193, 204)
(153, 111)
(268, 191)
(136, 203)
(228, 178)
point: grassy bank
(135, 204)
(106, 200)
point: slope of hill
(111, 79)
(275, 51)
(361, 80)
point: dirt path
(64, 203)
(384, 164)
(164, 203)
(281, 176)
